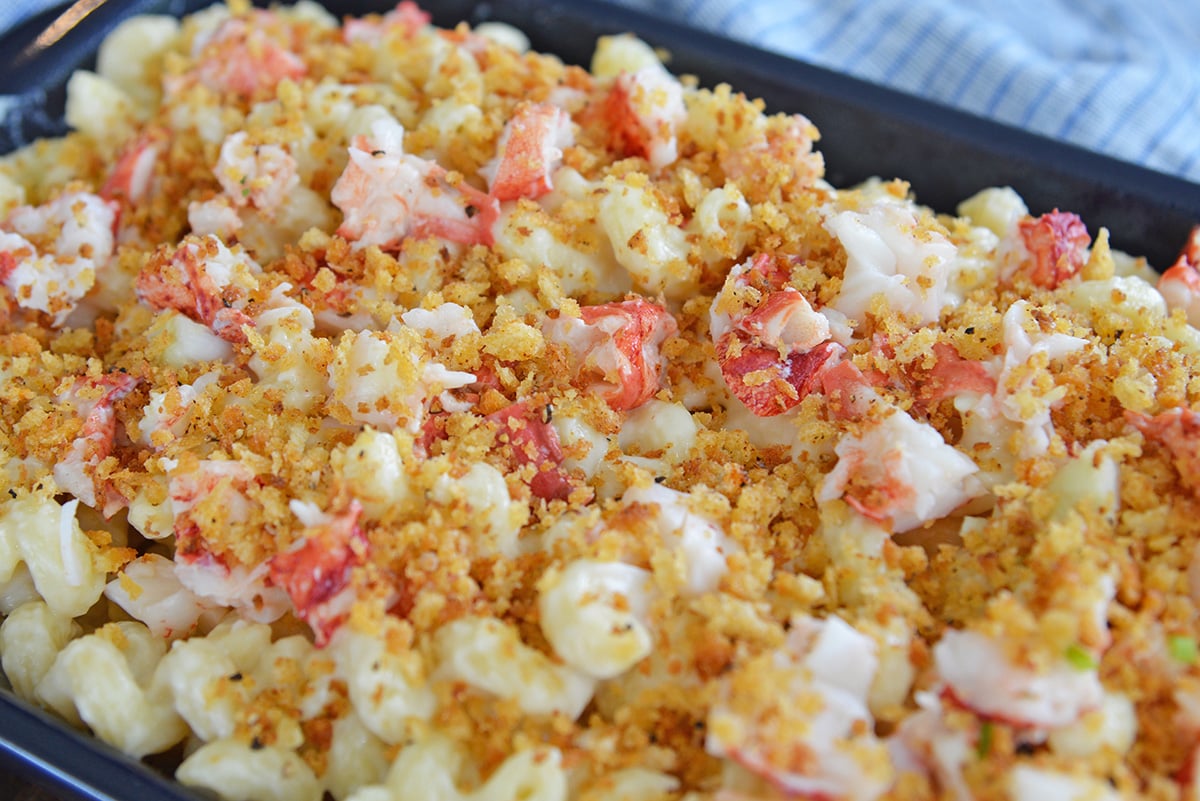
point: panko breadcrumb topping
(392, 412)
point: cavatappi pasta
(392, 413)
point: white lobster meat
(53, 275)
(828, 667)
(902, 471)
(980, 675)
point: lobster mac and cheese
(394, 413)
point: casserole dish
(866, 131)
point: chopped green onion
(1183, 649)
(984, 744)
(1080, 658)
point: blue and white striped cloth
(1117, 76)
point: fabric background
(1117, 76)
